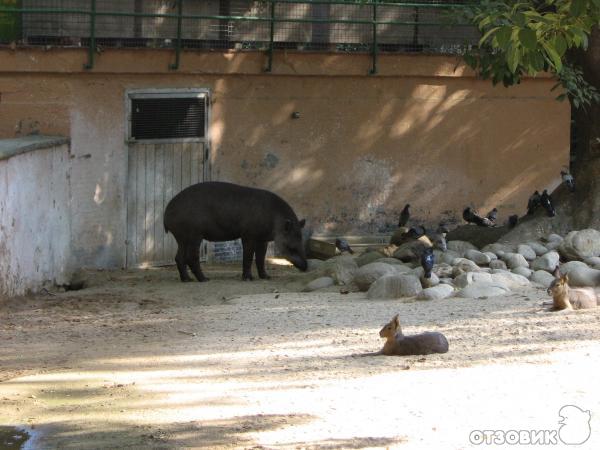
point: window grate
(168, 118)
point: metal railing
(367, 26)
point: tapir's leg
(193, 260)
(180, 259)
(261, 251)
(248, 247)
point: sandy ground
(140, 360)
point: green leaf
(553, 55)
(487, 35)
(578, 7)
(560, 44)
(512, 58)
(503, 36)
(561, 97)
(528, 38)
(537, 61)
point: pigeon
(513, 220)
(492, 215)
(534, 202)
(404, 216)
(427, 261)
(568, 180)
(471, 217)
(546, 202)
(343, 246)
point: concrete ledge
(12, 147)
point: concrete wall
(424, 131)
(35, 220)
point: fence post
(175, 65)
(92, 44)
(373, 70)
(271, 37)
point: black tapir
(218, 211)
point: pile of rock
(464, 270)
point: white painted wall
(35, 222)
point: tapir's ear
(302, 223)
(565, 278)
(396, 320)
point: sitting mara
(565, 297)
(419, 344)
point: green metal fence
(241, 25)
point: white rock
(436, 293)
(547, 262)
(511, 280)
(491, 255)
(554, 238)
(523, 271)
(367, 274)
(341, 268)
(498, 248)
(319, 283)
(514, 260)
(498, 264)
(527, 252)
(483, 289)
(542, 278)
(429, 282)
(468, 278)
(580, 244)
(395, 286)
(477, 257)
(538, 248)
(368, 258)
(593, 262)
(448, 257)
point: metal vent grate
(168, 118)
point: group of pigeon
(427, 257)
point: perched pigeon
(404, 216)
(568, 180)
(492, 215)
(427, 261)
(546, 202)
(513, 220)
(471, 217)
(343, 246)
(534, 202)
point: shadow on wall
(363, 147)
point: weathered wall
(35, 220)
(423, 131)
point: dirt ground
(140, 360)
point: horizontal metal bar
(237, 18)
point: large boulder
(448, 257)
(547, 262)
(341, 268)
(593, 262)
(584, 277)
(579, 245)
(395, 286)
(436, 293)
(498, 249)
(483, 289)
(514, 260)
(478, 236)
(367, 274)
(314, 264)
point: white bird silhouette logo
(574, 425)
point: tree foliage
(521, 38)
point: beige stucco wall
(423, 131)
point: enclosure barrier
(367, 26)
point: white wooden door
(157, 172)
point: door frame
(163, 92)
